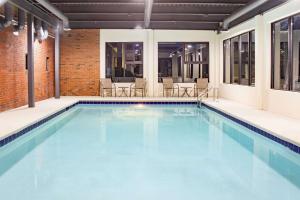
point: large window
(239, 59)
(124, 61)
(184, 62)
(286, 54)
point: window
(245, 65)
(184, 62)
(286, 54)
(280, 55)
(124, 61)
(239, 59)
(235, 57)
(252, 58)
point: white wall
(283, 102)
(261, 96)
(150, 39)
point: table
(123, 92)
(186, 91)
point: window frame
(125, 51)
(239, 59)
(290, 53)
(184, 60)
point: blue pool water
(138, 152)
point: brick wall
(13, 75)
(80, 58)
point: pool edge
(293, 147)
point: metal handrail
(204, 93)
(201, 95)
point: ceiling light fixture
(138, 27)
(15, 31)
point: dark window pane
(296, 53)
(196, 61)
(183, 68)
(252, 59)
(170, 57)
(244, 49)
(280, 55)
(124, 61)
(226, 49)
(235, 60)
(197, 52)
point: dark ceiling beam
(86, 3)
(187, 17)
(150, 2)
(46, 4)
(203, 9)
(136, 8)
(139, 8)
(140, 16)
(184, 25)
(155, 1)
(153, 24)
(202, 1)
(95, 1)
(199, 4)
(148, 12)
(244, 10)
(252, 9)
(106, 24)
(106, 16)
(29, 8)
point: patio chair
(200, 86)
(106, 86)
(138, 86)
(169, 87)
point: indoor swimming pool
(146, 152)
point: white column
(259, 60)
(150, 63)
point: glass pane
(296, 52)
(197, 52)
(170, 57)
(252, 60)
(226, 49)
(113, 59)
(280, 55)
(235, 60)
(124, 61)
(192, 71)
(245, 73)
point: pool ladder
(205, 93)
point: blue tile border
(139, 102)
(287, 144)
(11, 138)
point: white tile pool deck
(283, 127)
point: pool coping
(259, 130)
